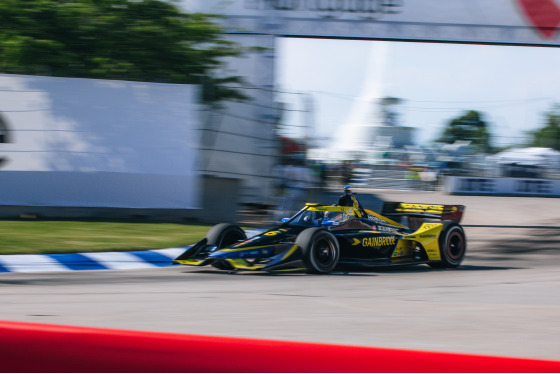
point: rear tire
(452, 246)
(320, 250)
(224, 234)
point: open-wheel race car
(318, 238)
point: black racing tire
(225, 234)
(320, 250)
(452, 246)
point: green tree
(549, 135)
(139, 40)
(469, 127)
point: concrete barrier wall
(98, 189)
(30, 347)
(502, 186)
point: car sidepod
(425, 241)
(442, 244)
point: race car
(319, 238)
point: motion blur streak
(27, 347)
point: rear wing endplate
(452, 213)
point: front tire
(224, 234)
(320, 250)
(452, 246)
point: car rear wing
(452, 213)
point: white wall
(85, 142)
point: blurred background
(129, 125)
(243, 110)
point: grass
(65, 236)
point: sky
(512, 86)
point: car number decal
(274, 233)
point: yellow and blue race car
(319, 238)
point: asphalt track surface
(504, 300)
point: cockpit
(321, 216)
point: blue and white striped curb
(93, 260)
(89, 261)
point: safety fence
(502, 186)
(31, 347)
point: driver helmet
(326, 216)
(347, 190)
(332, 216)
